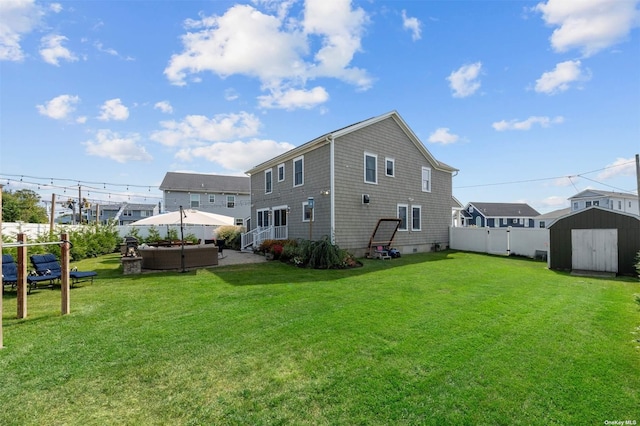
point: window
(575, 205)
(144, 213)
(298, 171)
(194, 200)
(426, 179)
(212, 198)
(239, 222)
(263, 218)
(370, 168)
(307, 213)
(596, 203)
(389, 167)
(280, 172)
(231, 201)
(619, 205)
(268, 181)
(542, 224)
(588, 204)
(416, 218)
(402, 215)
(127, 213)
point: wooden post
(1, 292)
(22, 277)
(64, 280)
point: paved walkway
(234, 257)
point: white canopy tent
(189, 217)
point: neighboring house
(340, 184)
(499, 215)
(122, 214)
(616, 201)
(595, 239)
(225, 195)
(544, 220)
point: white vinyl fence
(33, 230)
(529, 242)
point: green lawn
(437, 338)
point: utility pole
(79, 204)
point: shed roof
(505, 209)
(196, 182)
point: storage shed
(595, 240)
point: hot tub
(167, 258)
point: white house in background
(544, 220)
(616, 201)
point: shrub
(638, 263)
(230, 234)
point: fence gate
(594, 250)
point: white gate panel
(594, 250)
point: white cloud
(52, 50)
(464, 81)
(560, 79)
(164, 106)
(275, 49)
(412, 24)
(55, 7)
(197, 130)
(108, 144)
(113, 109)
(17, 18)
(555, 201)
(526, 124)
(444, 136)
(292, 98)
(620, 167)
(60, 107)
(237, 156)
(589, 25)
(231, 94)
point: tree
(23, 205)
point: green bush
(638, 263)
(87, 241)
(230, 234)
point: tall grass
(440, 338)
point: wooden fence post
(21, 298)
(64, 280)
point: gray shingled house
(220, 194)
(340, 184)
(500, 215)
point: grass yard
(436, 338)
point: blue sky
(531, 101)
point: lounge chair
(10, 275)
(47, 264)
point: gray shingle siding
(386, 137)
(356, 221)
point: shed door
(594, 250)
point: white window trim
(268, 172)
(420, 208)
(393, 162)
(263, 211)
(424, 169)
(301, 159)
(212, 198)
(281, 167)
(406, 206)
(375, 156)
(234, 200)
(192, 199)
(305, 205)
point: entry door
(594, 250)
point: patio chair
(10, 275)
(48, 264)
(9, 271)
